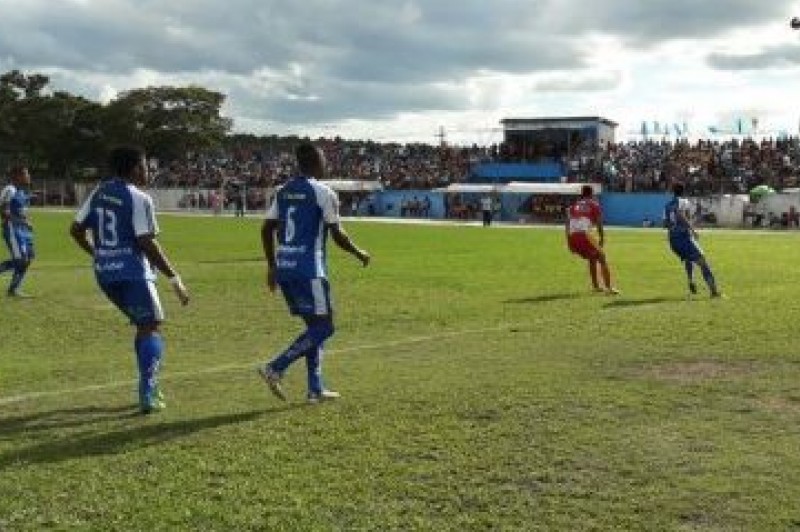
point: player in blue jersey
(122, 223)
(683, 240)
(17, 228)
(302, 214)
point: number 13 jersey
(117, 213)
(303, 207)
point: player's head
(678, 189)
(20, 175)
(128, 163)
(310, 160)
(587, 191)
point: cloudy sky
(401, 69)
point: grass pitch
(484, 388)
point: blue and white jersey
(303, 207)
(678, 227)
(117, 213)
(16, 202)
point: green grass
(484, 388)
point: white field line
(31, 396)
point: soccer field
(484, 388)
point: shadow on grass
(63, 419)
(625, 303)
(544, 298)
(136, 436)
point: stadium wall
(387, 203)
(633, 209)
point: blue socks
(149, 351)
(709, 278)
(19, 274)
(308, 345)
(314, 368)
(689, 265)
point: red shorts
(584, 245)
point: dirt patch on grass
(696, 371)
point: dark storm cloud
(351, 58)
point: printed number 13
(107, 227)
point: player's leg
(316, 388)
(308, 298)
(605, 272)
(149, 346)
(689, 265)
(708, 276)
(139, 301)
(687, 251)
(592, 262)
(22, 254)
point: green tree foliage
(169, 122)
(61, 133)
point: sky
(406, 70)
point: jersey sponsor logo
(106, 267)
(285, 264)
(291, 250)
(111, 199)
(295, 196)
(105, 253)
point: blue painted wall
(387, 203)
(632, 209)
(619, 208)
(505, 172)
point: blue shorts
(137, 299)
(20, 244)
(307, 297)
(686, 249)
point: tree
(168, 122)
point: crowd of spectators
(705, 166)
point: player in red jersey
(582, 215)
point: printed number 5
(290, 229)
(107, 227)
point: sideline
(31, 396)
(456, 223)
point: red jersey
(583, 214)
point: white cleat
(324, 395)
(273, 380)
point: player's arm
(681, 215)
(5, 205)
(146, 229)
(330, 212)
(268, 231)
(152, 250)
(80, 234)
(600, 231)
(344, 242)
(79, 230)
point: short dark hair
(678, 189)
(16, 169)
(587, 191)
(307, 158)
(123, 159)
